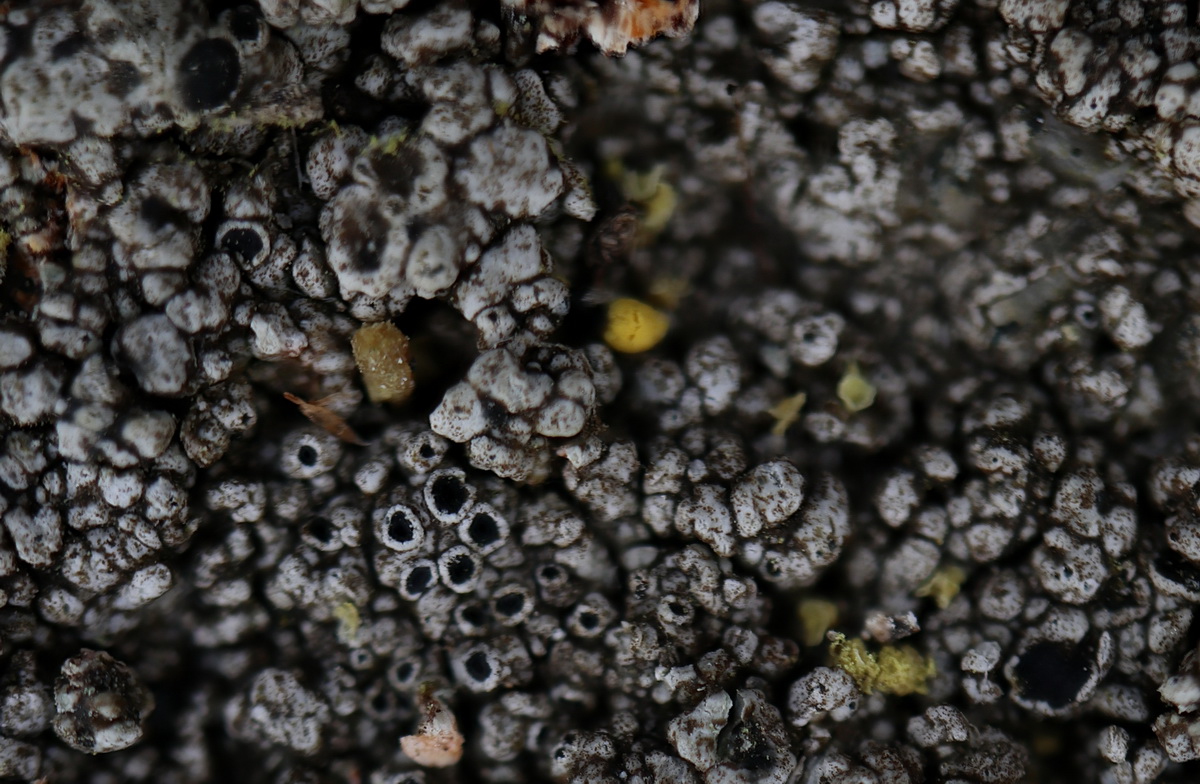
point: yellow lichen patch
(659, 209)
(348, 622)
(816, 616)
(903, 670)
(898, 670)
(786, 412)
(853, 657)
(854, 390)
(636, 186)
(381, 353)
(667, 291)
(633, 326)
(943, 585)
(647, 190)
(391, 144)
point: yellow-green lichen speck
(348, 622)
(786, 412)
(648, 190)
(381, 353)
(633, 326)
(854, 390)
(816, 616)
(898, 670)
(943, 585)
(659, 209)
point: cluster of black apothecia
(807, 398)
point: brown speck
(319, 414)
(615, 237)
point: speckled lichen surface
(411, 392)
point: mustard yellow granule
(943, 585)
(816, 615)
(786, 412)
(381, 353)
(633, 326)
(898, 670)
(854, 390)
(348, 622)
(657, 198)
(659, 209)
(668, 291)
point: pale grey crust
(600, 565)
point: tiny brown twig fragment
(319, 414)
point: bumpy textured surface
(893, 478)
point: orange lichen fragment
(437, 742)
(613, 25)
(618, 24)
(381, 353)
(55, 181)
(41, 242)
(319, 414)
